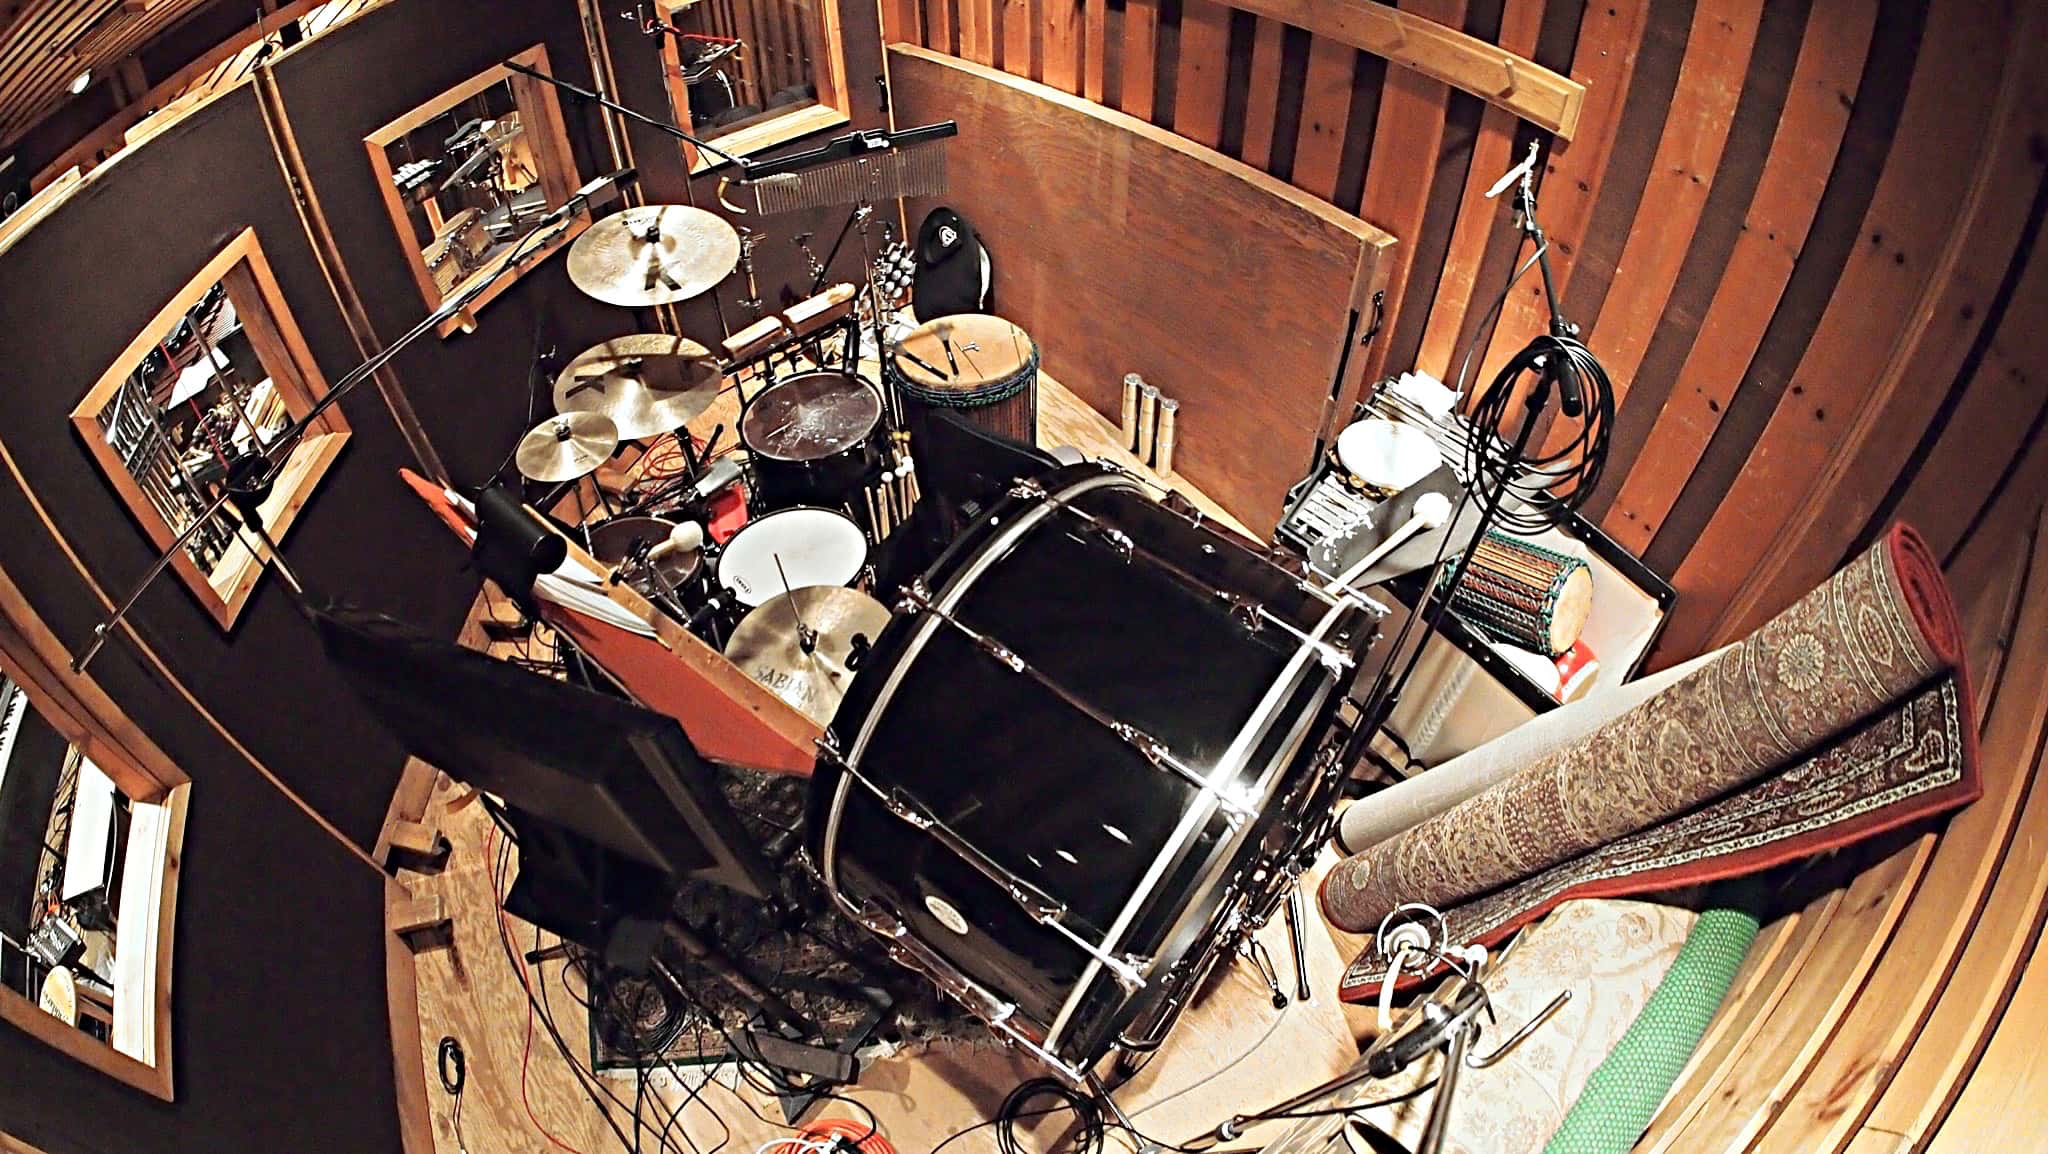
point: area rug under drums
(1846, 715)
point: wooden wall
(1799, 234)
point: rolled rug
(1865, 640)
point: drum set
(1088, 752)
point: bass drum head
(813, 546)
(1131, 850)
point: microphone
(597, 194)
(720, 474)
(1519, 171)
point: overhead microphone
(1514, 174)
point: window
(470, 174)
(89, 848)
(748, 74)
(220, 371)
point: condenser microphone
(1514, 174)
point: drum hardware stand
(752, 301)
(279, 448)
(1327, 426)
(1297, 940)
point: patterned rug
(1845, 715)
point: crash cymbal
(566, 447)
(655, 254)
(767, 646)
(647, 383)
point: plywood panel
(1824, 86)
(1094, 214)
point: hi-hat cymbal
(647, 383)
(767, 646)
(655, 254)
(566, 447)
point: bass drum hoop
(971, 558)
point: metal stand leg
(1297, 940)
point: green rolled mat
(1625, 1090)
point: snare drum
(813, 547)
(811, 438)
(1083, 762)
(983, 366)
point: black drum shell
(830, 469)
(1163, 654)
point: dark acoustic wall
(278, 925)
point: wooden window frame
(260, 306)
(540, 111)
(832, 110)
(33, 658)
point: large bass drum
(1083, 763)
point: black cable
(1087, 1111)
(454, 1070)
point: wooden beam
(1019, 20)
(1407, 137)
(1325, 115)
(1521, 21)
(1262, 95)
(1717, 53)
(1467, 63)
(1203, 71)
(1766, 533)
(413, 915)
(1781, 211)
(1141, 60)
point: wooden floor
(521, 1095)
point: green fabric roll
(1625, 1090)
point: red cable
(863, 1137)
(526, 1052)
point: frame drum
(1086, 758)
(982, 365)
(811, 547)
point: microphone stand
(270, 458)
(634, 115)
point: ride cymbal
(655, 254)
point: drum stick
(1430, 512)
(874, 518)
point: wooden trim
(766, 134)
(1495, 75)
(1325, 116)
(146, 974)
(291, 162)
(281, 348)
(1921, 218)
(163, 669)
(39, 205)
(408, 1050)
(1203, 71)
(541, 109)
(1262, 94)
(1407, 143)
(76, 1044)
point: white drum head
(815, 546)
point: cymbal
(647, 383)
(655, 254)
(767, 647)
(566, 447)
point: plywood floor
(1231, 1052)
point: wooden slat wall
(1798, 233)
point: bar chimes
(1150, 423)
